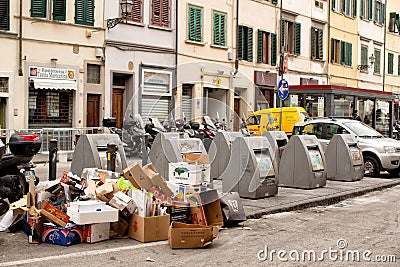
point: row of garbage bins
(252, 166)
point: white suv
(380, 153)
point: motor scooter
(243, 128)
(133, 134)
(17, 168)
(152, 128)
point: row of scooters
(135, 133)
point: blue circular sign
(283, 89)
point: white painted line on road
(83, 253)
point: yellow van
(268, 119)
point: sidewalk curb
(319, 201)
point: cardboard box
(156, 179)
(205, 208)
(88, 212)
(53, 214)
(124, 203)
(138, 177)
(64, 236)
(96, 232)
(149, 229)
(120, 228)
(107, 191)
(188, 173)
(183, 235)
(180, 191)
(179, 211)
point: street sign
(283, 89)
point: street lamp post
(126, 8)
(365, 67)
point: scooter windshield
(209, 122)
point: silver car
(380, 153)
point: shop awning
(54, 84)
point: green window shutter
(398, 65)
(349, 54)
(84, 12)
(376, 12)
(362, 7)
(273, 49)
(370, 9)
(217, 29)
(320, 44)
(332, 50)
(283, 33)
(199, 25)
(377, 64)
(223, 29)
(390, 63)
(343, 7)
(38, 8)
(59, 10)
(354, 8)
(297, 38)
(250, 44)
(259, 46)
(364, 55)
(383, 14)
(333, 4)
(397, 23)
(191, 24)
(313, 54)
(274, 2)
(240, 42)
(342, 53)
(5, 15)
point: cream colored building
(205, 59)
(51, 73)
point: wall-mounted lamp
(126, 8)
(365, 67)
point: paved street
(368, 224)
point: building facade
(46, 76)
(140, 59)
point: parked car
(380, 153)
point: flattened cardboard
(149, 229)
(106, 191)
(205, 208)
(139, 177)
(182, 235)
(129, 176)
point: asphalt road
(367, 226)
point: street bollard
(52, 159)
(111, 156)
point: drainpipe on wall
(328, 45)
(20, 73)
(237, 39)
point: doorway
(93, 110)
(236, 108)
(118, 106)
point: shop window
(366, 9)
(317, 43)
(137, 12)
(219, 29)
(245, 43)
(160, 13)
(93, 73)
(291, 37)
(266, 47)
(3, 84)
(84, 12)
(390, 63)
(379, 14)
(195, 24)
(377, 64)
(5, 15)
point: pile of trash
(140, 204)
